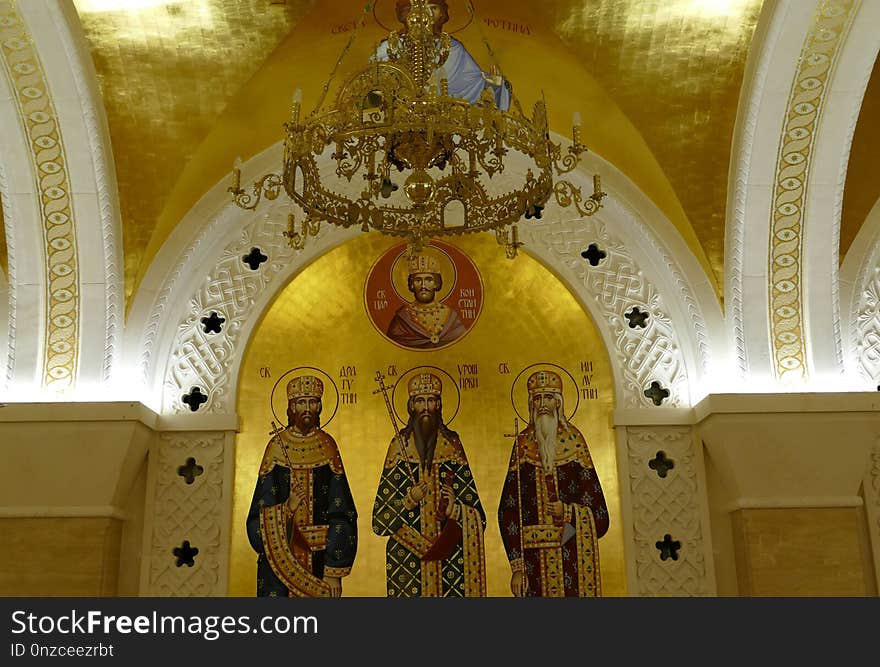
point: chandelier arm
(268, 186)
(567, 193)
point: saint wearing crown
(424, 323)
(302, 521)
(428, 507)
(552, 510)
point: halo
(566, 395)
(384, 14)
(399, 400)
(279, 399)
(400, 273)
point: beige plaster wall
(59, 556)
(802, 552)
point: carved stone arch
(786, 182)
(66, 308)
(860, 303)
(200, 270)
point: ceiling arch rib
(63, 199)
(824, 202)
(805, 79)
(22, 218)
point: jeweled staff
(383, 389)
(522, 546)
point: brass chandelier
(397, 154)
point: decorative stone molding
(21, 64)
(865, 332)
(614, 286)
(207, 360)
(684, 291)
(786, 262)
(199, 513)
(741, 165)
(673, 505)
(81, 69)
(8, 217)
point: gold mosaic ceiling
(862, 184)
(675, 67)
(168, 69)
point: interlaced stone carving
(872, 503)
(616, 285)
(199, 358)
(865, 334)
(669, 505)
(195, 513)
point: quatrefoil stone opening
(190, 470)
(254, 258)
(661, 465)
(594, 254)
(657, 393)
(195, 399)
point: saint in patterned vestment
(302, 521)
(427, 505)
(552, 510)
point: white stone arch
(860, 303)
(61, 73)
(199, 270)
(786, 58)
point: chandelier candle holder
(397, 154)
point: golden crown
(305, 386)
(424, 384)
(423, 264)
(542, 381)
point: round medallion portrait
(424, 300)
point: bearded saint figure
(428, 507)
(552, 510)
(424, 323)
(302, 521)
(467, 81)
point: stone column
(189, 513)
(667, 537)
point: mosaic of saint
(302, 521)
(424, 300)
